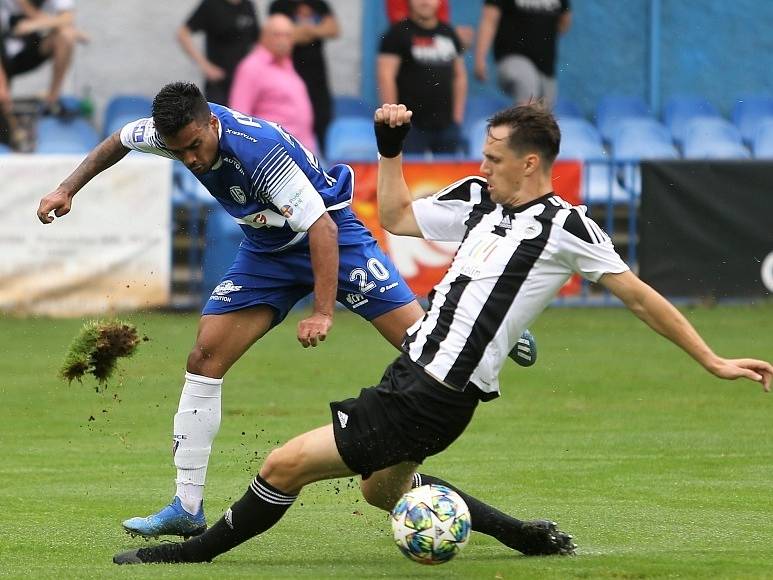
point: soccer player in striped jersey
(519, 243)
(300, 235)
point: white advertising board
(111, 253)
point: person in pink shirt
(267, 86)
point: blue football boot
(525, 350)
(173, 520)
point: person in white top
(519, 243)
(35, 32)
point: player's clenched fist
(57, 201)
(392, 123)
(393, 115)
(314, 329)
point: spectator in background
(420, 64)
(266, 84)
(35, 31)
(230, 30)
(314, 23)
(398, 10)
(525, 34)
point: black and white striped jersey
(511, 263)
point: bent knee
(66, 35)
(375, 496)
(284, 469)
(202, 360)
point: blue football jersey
(271, 184)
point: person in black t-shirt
(524, 33)
(420, 64)
(231, 29)
(314, 23)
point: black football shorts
(407, 417)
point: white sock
(195, 425)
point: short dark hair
(178, 104)
(533, 129)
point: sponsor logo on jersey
(235, 162)
(356, 300)
(138, 135)
(238, 194)
(225, 287)
(388, 287)
(241, 134)
(296, 199)
(343, 419)
(287, 211)
(506, 224)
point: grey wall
(133, 49)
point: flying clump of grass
(97, 348)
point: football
(431, 524)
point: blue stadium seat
(475, 134)
(56, 135)
(566, 109)
(678, 110)
(581, 141)
(482, 106)
(348, 106)
(763, 139)
(631, 147)
(123, 109)
(747, 113)
(645, 129)
(351, 139)
(715, 150)
(614, 108)
(577, 129)
(5, 149)
(712, 138)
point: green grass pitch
(658, 469)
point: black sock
(259, 508)
(485, 519)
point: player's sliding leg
(310, 457)
(534, 538)
(393, 325)
(221, 340)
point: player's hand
(58, 201)
(745, 368)
(393, 115)
(314, 329)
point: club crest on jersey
(238, 194)
(287, 211)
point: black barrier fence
(706, 228)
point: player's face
(502, 167)
(196, 145)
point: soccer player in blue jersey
(300, 236)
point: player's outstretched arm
(395, 211)
(104, 155)
(323, 246)
(662, 317)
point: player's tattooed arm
(106, 154)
